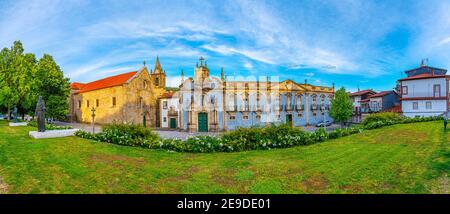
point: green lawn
(409, 158)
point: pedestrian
(445, 122)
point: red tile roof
(76, 85)
(359, 93)
(423, 76)
(107, 82)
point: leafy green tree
(341, 106)
(10, 76)
(23, 79)
(54, 88)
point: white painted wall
(437, 107)
(171, 102)
(424, 87)
(356, 102)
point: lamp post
(93, 118)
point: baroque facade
(209, 103)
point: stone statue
(15, 114)
(40, 113)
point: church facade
(209, 104)
(130, 97)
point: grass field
(409, 158)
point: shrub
(383, 117)
(122, 134)
(241, 139)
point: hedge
(241, 139)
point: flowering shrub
(49, 126)
(241, 139)
(129, 135)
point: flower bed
(242, 139)
(49, 126)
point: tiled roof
(423, 76)
(358, 93)
(380, 94)
(107, 82)
(76, 85)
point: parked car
(324, 124)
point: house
(125, 98)
(209, 103)
(380, 102)
(356, 97)
(169, 103)
(424, 92)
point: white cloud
(310, 74)
(248, 65)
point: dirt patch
(228, 180)
(443, 186)
(3, 186)
(316, 184)
(114, 160)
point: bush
(241, 139)
(384, 122)
(383, 117)
(122, 134)
(49, 126)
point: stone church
(125, 98)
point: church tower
(158, 75)
(201, 72)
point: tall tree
(23, 79)
(54, 88)
(341, 106)
(10, 76)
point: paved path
(167, 134)
(82, 126)
(182, 134)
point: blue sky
(351, 43)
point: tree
(10, 63)
(23, 79)
(54, 88)
(341, 106)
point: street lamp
(93, 118)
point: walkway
(82, 126)
(168, 134)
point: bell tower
(158, 75)
(201, 72)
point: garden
(398, 158)
(242, 139)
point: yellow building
(125, 98)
